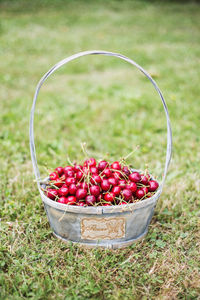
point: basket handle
(96, 52)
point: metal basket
(111, 226)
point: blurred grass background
(111, 106)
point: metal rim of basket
(31, 129)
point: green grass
(112, 106)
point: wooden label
(102, 228)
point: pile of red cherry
(99, 184)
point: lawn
(113, 107)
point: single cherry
(70, 180)
(95, 179)
(86, 171)
(152, 185)
(116, 190)
(63, 191)
(135, 177)
(102, 165)
(68, 168)
(69, 173)
(145, 189)
(84, 185)
(77, 168)
(110, 197)
(58, 182)
(100, 197)
(53, 176)
(90, 199)
(140, 193)
(144, 179)
(51, 193)
(81, 194)
(116, 166)
(71, 200)
(62, 200)
(94, 170)
(126, 170)
(59, 170)
(113, 181)
(127, 194)
(79, 185)
(117, 175)
(95, 190)
(122, 183)
(105, 185)
(132, 186)
(79, 175)
(91, 162)
(72, 189)
(80, 203)
(107, 172)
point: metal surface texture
(115, 226)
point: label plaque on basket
(102, 228)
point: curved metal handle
(96, 52)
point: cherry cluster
(93, 184)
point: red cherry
(94, 170)
(85, 171)
(53, 176)
(145, 189)
(132, 186)
(84, 185)
(99, 198)
(72, 189)
(107, 172)
(95, 190)
(63, 191)
(51, 193)
(127, 194)
(81, 194)
(110, 197)
(105, 185)
(102, 165)
(70, 200)
(153, 185)
(122, 183)
(79, 185)
(117, 175)
(126, 170)
(62, 200)
(95, 179)
(140, 193)
(59, 170)
(79, 175)
(91, 162)
(113, 181)
(80, 203)
(135, 177)
(90, 199)
(69, 173)
(116, 190)
(122, 203)
(68, 168)
(106, 204)
(70, 180)
(58, 182)
(116, 166)
(149, 195)
(77, 168)
(144, 179)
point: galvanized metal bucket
(111, 226)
